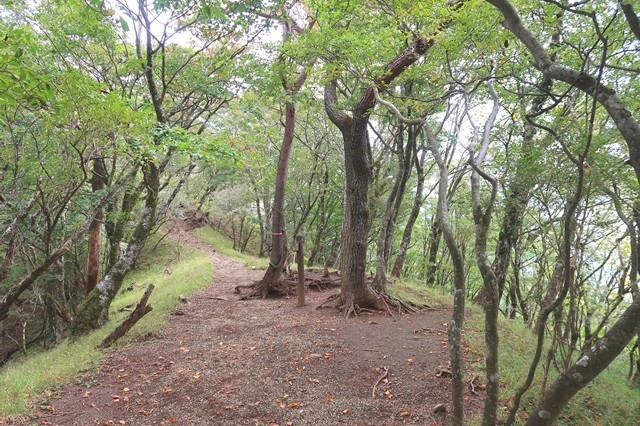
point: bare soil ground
(222, 361)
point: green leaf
(124, 25)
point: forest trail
(222, 361)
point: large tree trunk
(355, 229)
(357, 152)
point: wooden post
(300, 260)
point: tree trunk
(117, 221)
(457, 318)
(322, 221)
(413, 216)
(354, 291)
(587, 368)
(94, 311)
(390, 215)
(98, 182)
(278, 230)
(357, 151)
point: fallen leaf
(125, 390)
(87, 394)
(329, 397)
(405, 414)
(346, 411)
(293, 404)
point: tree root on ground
(381, 302)
(287, 285)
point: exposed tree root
(286, 285)
(265, 288)
(379, 302)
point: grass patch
(174, 270)
(606, 401)
(223, 245)
(417, 292)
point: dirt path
(266, 362)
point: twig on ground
(431, 330)
(471, 385)
(381, 378)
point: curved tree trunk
(278, 229)
(457, 319)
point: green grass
(223, 245)
(174, 271)
(416, 292)
(606, 401)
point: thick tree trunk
(357, 151)
(354, 291)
